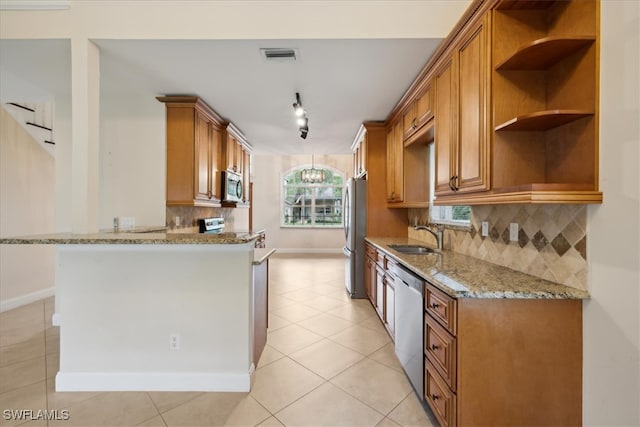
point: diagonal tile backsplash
(552, 240)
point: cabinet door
(215, 136)
(409, 121)
(362, 154)
(203, 158)
(246, 174)
(473, 151)
(238, 157)
(390, 301)
(424, 106)
(445, 126)
(395, 146)
(380, 292)
(369, 280)
(230, 150)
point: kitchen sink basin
(414, 249)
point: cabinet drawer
(441, 306)
(381, 258)
(440, 349)
(371, 252)
(439, 397)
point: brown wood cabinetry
(193, 152)
(462, 111)
(515, 105)
(370, 147)
(395, 182)
(379, 283)
(502, 361)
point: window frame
(313, 206)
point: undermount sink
(414, 249)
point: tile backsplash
(189, 216)
(552, 240)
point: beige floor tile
(411, 413)
(18, 331)
(386, 422)
(326, 289)
(281, 383)
(52, 339)
(353, 313)
(32, 397)
(340, 295)
(62, 400)
(271, 422)
(21, 374)
(32, 348)
(324, 303)
(110, 409)
(376, 385)
(362, 340)
(374, 323)
(387, 356)
(166, 400)
(30, 313)
(277, 322)
(326, 358)
(291, 338)
(156, 421)
(52, 364)
(278, 301)
(269, 355)
(301, 295)
(217, 409)
(326, 324)
(296, 313)
(327, 405)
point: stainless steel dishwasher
(409, 306)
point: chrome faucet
(437, 234)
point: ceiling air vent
(279, 54)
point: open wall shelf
(542, 120)
(544, 53)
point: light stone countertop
(133, 238)
(260, 255)
(461, 276)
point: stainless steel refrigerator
(355, 219)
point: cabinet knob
(434, 346)
(435, 397)
(435, 305)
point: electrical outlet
(174, 342)
(485, 229)
(513, 232)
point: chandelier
(313, 175)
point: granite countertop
(461, 276)
(260, 255)
(133, 238)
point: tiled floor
(328, 362)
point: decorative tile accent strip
(552, 240)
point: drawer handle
(435, 397)
(434, 346)
(435, 305)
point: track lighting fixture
(301, 117)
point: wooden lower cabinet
(379, 284)
(504, 361)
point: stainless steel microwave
(231, 187)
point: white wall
(611, 316)
(267, 173)
(27, 193)
(132, 159)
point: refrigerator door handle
(345, 213)
(346, 251)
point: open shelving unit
(544, 98)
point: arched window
(306, 204)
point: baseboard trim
(152, 381)
(16, 302)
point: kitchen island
(154, 311)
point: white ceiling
(341, 82)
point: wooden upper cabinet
(395, 181)
(193, 149)
(445, 125)
(359, 149)
(462, 111)
(246, 175)
(419, 112)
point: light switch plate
(513, 232)
(485, 229)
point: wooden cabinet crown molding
(193, 101)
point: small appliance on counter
(211, 225)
